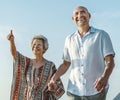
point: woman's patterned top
(31, 84)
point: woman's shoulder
(51, 62)
(50, 65)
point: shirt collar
(91, 30)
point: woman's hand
(10, 36)
(52, 86)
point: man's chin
(81, 24)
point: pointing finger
(11, 32)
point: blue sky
(52, 18)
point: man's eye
(76, 13)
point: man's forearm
(61, 70)
(109, 67)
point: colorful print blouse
(28, 84)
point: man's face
(81, 16)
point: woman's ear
(89, 15)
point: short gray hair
(41, 37)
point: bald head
(81, 7)
(81, 16)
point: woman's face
(38, 47)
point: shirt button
(82, 55)
(82, 65)
(83, 83)
(82, 74)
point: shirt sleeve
(107, 45)
(66, 55)
(20, 59)
(20, 66)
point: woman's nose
(35, 47)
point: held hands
(100, 83)
(10, 36)
(52, 86)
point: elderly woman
(31, 76)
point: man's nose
(80, 14)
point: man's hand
(52, 86)
(100, 83)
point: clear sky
(52, 18)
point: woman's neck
(38, 62)
(38, 58)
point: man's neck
(83, 30)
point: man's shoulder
(93, 29)
(71, 35)
(98, 31)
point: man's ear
(72, 18)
